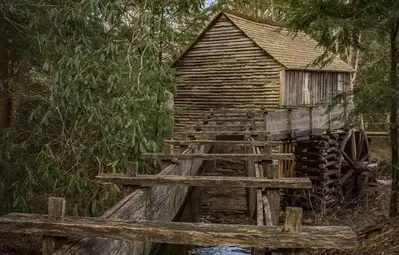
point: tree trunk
(159, 89)
(5, 98)
(394, 121)
(5, 107)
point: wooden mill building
(237, 62)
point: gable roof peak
(296, 51)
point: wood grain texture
(153, 203)
(224, 68)
(221, 142)
(273, 195)
(206, 181)
(181, 233)
(293, 219)
(256, 157)
(222, 132)
(56, 211)
(277, 122)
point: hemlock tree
(84, 88)
(338, 25)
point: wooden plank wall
(286, 123)
(160, 203)
(224, 69)
(322, 86)
(286, 167)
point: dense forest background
(86, 86)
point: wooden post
(267, 149)
(168, 149)
(293, 218)
(253, 124)
(282, 163)
(292, 224)
(251, 192)
(273, 195)
(311, 120)
(290, 122)
(132, 171)
(265, 115)
(56, 211)
(345, 110)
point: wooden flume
(204, 181)
(263, 179)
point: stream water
(217, 205)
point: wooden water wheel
(333, 162)
(355, 157)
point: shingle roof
(293, 51)
(297, 51)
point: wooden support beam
(339, 237)
(368, 133)
(256, 157)
(293, 218)
(132, 171)
(265, 122)
(206, 181)
(224, 127)
(56, 212)
(289, 122)
(292, 224)
(168, 149)
(259, 207)
(311, 120)
(193, 133)
(267, 211)
(273, 195)
(375, 133)
(221, 142)
(133, 168)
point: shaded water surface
(217, 205)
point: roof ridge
(254, 19)
(249, 36)
(296, 52)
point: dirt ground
(377, 233)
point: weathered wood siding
(282, 123)
(303, 87)
(224, 69)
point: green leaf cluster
(91, 90)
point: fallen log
(338, 237)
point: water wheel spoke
(348, 158)
(346, 139)
(353, 146)
(346, 177)
(360, 147)
(367, 149)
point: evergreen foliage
(88, 86)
